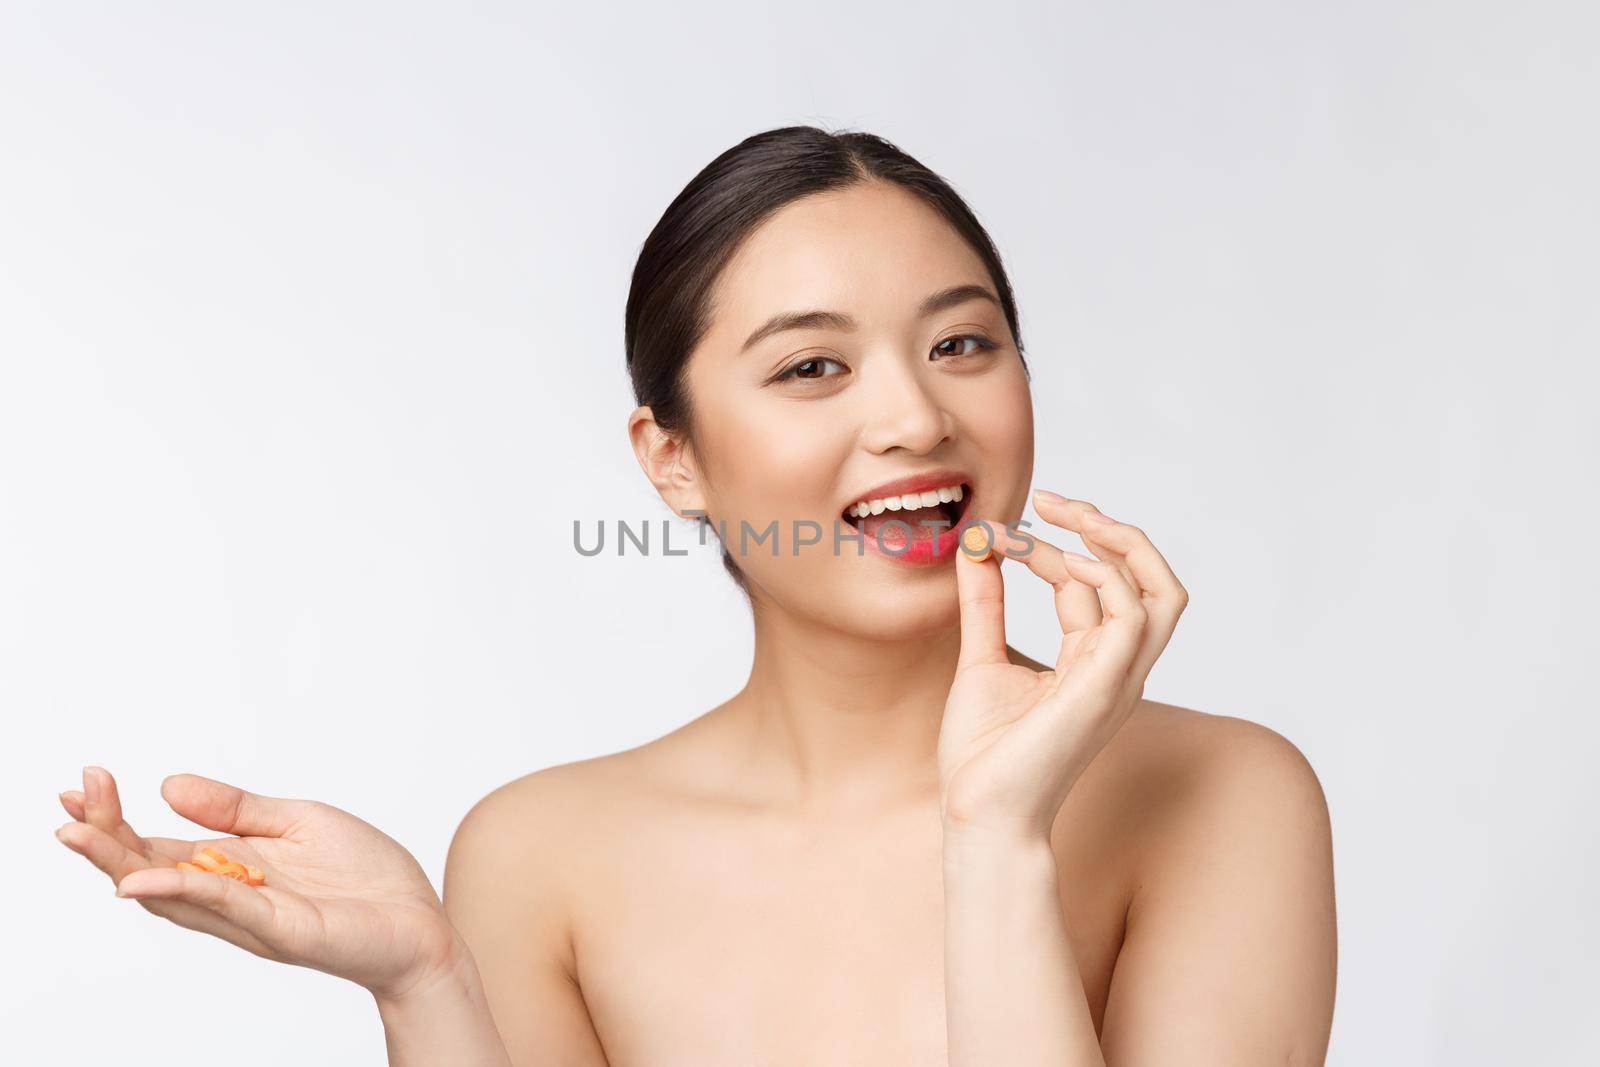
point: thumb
(231, 810)
(983, 605)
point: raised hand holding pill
(1013, 740)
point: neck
(834, 720)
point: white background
(311, 327)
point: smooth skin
(902, 841)
(1014, 743)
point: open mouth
(927, 513)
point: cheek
(774, 470)
(773, 460)
(1000, 415)
(999, 424)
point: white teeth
(907, 502)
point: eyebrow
(838, 320)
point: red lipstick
(914, 539)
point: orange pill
(976, 542)
(210, 859)
(234, 870)
(213, 862)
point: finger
(172, 848)
(103, 850)
(198, 900)
(1072, 515)
(187, 909)
(231, 810)
(1148, 569)
(1097, 579)
(1096, 660)
(73, 800)
(1111, 648)
(981, 591)
(1077, 603)
(102, 804)
(244, 906)
(1092, 536)
(194, 917)
(1163, 596)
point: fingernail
(1097, 517)
(91, 786)
(1048, 495)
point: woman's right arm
(443, 1019)
(508, 894)
(338, 896)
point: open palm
(340, 896)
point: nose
(905, 412)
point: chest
(779, 946)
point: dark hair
(669, 298)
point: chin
(892, 609)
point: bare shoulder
(1180, 753)
(554, 799)
(540, 832)
(515, 869)
(1231, 893)
(535, 827)
(565, 814)
(1180, 791)
(504, 873)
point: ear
(668, 462)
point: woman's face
(805, 423)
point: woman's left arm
(1228, 955)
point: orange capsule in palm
(210, 859)
(234, 870)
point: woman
(903, 841)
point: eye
(983, 344)
(809, 369)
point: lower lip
(929, 548)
